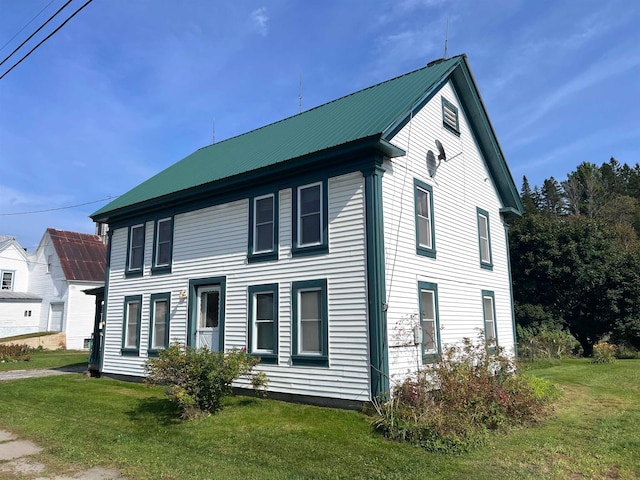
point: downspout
(513, 315)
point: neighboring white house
(47, 289)
(344, 246)
(19, 308)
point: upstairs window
(488, 307)
(263, 225)
(450, 116)
(310, 221)
(7, 280)
(135, 252)
(425, 239)
(484, 239)
(263, 328)
(163, 244)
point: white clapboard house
(345, 246)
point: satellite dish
(441, 153)
(432, 166)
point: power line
(26, 25)
(59, 208)
(34, 33)
(45, 39)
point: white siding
(14, 321)
(13, 260)
(212, 242)
(460, 186)
(80, 314)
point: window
(263, 228)
(49, 263)
(450, 116)
(135, 253)
(131, 325)
(425, 239)
(310, 323)
(162, 246)
(488, 308)
(159, 325)
(7, 280)
(263, 318)
(484, 239)
(310, 214)
(429, 320)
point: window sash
(264, 321)
(489, 318)
(263, 224)
(133, 318)
(310, 221)
(425, 236)
(310, 339)
(7, 281)
(136, 247)
(163, 243)
(429, 321)
(160, 324)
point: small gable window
(450, 116)
(7, 280)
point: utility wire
(45, 39)
(26, 25)
(59, 208)
(34, 33)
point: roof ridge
(428, 65)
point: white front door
(208, 328)
(55, 317)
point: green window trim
(489, 299)
(270, 357)
(484, 242)
(162, 267)
(135, 271)
(155, 298)
(450, 117)
(427, 246)
(424, 287)
(254, 255)
(129, 349)
(298, 357)
(298, 248)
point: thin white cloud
(260, 20)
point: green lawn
(48, 359)
(593, 434)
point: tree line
(575, 255)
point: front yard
(127, 426)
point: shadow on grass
(156, 409)
(73, 367)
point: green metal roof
(359, 115)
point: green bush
(545, 344)
(624, 352)
(450, 406)
(603, 352)
(199, 379)
(14, 353)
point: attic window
(450, 116)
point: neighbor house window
(135, 253)
(7, 280)
(159, 324)
(263, 224)
(429, 320)
(484, 238)
(310, 217)
(310, 323)
(450, 116)
(425, 239)
(131, 325)
(263, 318)
(489, 310)
(162, 246)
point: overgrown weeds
(197, 380)
(14, 353)
(450, 406)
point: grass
(48, 359)
(127, 426)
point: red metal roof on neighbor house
(83, 257)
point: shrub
(450, 406)
(545, 344)
(199, 379)
(603, 352)
(14, 353)
(624, 352)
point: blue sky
(129, 87)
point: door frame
(192, 320)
